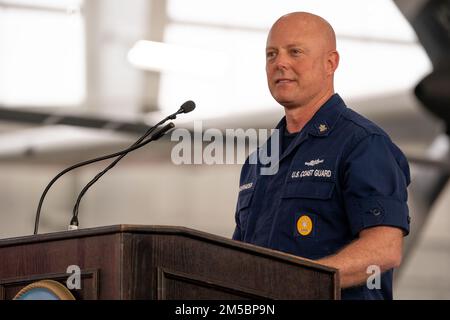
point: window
(42, 59)
(379, 50)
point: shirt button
(375, 211)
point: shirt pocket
(307, 198)
(304, 205)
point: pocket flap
(244, 200)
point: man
(340, 192)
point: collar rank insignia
(323, 128)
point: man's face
(295, 62)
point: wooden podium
(159, 262)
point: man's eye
(296, 52)
(270, 55)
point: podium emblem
(44, 290)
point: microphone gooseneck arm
(188, 106)
(74, 222)
(78, 165)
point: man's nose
(282, 62)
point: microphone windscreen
(188, 106)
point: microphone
(186, 107)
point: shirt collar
(324, 120)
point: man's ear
(332, 62)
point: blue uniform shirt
(339, 175)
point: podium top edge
(163, 230)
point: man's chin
(288, 101)
(289, 104)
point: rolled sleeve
(375, 185)
(377, 211)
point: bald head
(301, 59)
(309, 25)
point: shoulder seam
(379, 132)
(361, 139)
